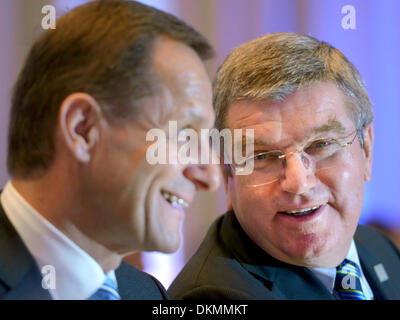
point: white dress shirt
(77, 274)
(327, 275)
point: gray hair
(276, 65)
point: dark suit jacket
(20, 277)
(228, 265)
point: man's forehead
(258, 115)
(174, 59)
(317, 96)
(273, 136)
(184, 88)
(307, 106)
(277, 123)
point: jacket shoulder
(376, 242)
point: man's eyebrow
(330, 125)
(256, 142)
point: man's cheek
(349, 177)
(348, 191)
(340, 176)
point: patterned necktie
(107, 291)
(347, 282)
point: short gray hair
(276, 65)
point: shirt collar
(77, 274)
(327, 275)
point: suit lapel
(134, 284)
(299, 283)
(28, 288)
(127, 289)
(18, 270)
(291, 282)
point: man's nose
(204, 176)
(298, 174)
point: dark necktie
(347, 282)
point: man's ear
(368, 143)
(79, 120)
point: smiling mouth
(174, 200)
(301, 212)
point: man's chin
(315, 252)
(169, 245)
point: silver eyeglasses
(269, 166)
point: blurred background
(366, 31)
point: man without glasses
(82, 195)
(293, 229)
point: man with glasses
(293, 229)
